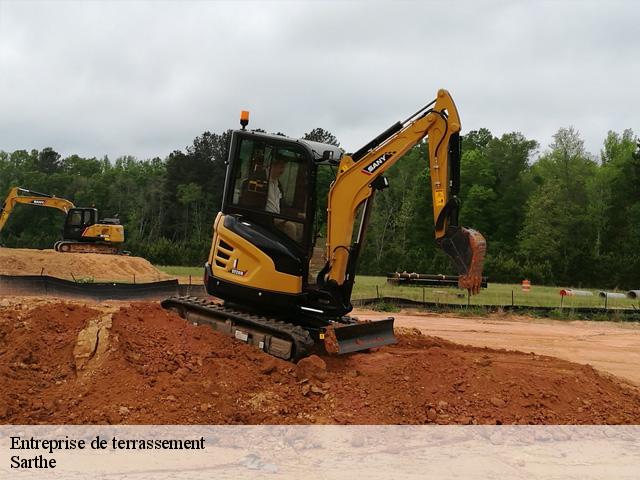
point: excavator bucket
(359, 336)
(467, 248)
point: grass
(496, 294)
(177, 271)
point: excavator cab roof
(322, 153)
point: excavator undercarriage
(86, 247)
(277, 336)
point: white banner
(320, 452)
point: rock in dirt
(318, 390)
(311, 368)
(92, 343)
(432, 415)
(269, 366)
(497, 402)
(483, 362)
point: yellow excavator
(82, 233)
(261, 259)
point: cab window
(76, 219)
(272, 180)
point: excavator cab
(269, 185)
(77, 221)
(264, 237)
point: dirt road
(612, 347)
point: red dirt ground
(151, 367)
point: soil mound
(152, 367)
(82, 266)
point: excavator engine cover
(467, 248)
(359, 336)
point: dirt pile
(85, 266)
(153, 367)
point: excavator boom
(19, 195)
(361, 174)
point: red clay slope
(152, 367)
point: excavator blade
(359, 336)
(467, 248)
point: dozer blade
(467, 248)
(359, 336)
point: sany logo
(377, 163)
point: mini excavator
(82, 233)
(260, 264)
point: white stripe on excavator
(311, 309)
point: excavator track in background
(85, 247)
(275, 337)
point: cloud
(145, 78)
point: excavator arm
(361, 173)
(28, 197)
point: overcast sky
(144, 78)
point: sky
(145, 78)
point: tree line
(560, 216)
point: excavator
(82, 233)
(260, 262)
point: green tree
(203, 164)
(557, 228)
(49, 161)
(321, 135)
(620, 232)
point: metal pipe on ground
(570, 292)
(428, 276)
(426, 279)
(604, 294)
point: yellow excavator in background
(260, 263)
(82, 233)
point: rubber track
(86, 247)
(302, 341)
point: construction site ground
(78, 362)
(612, 347)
